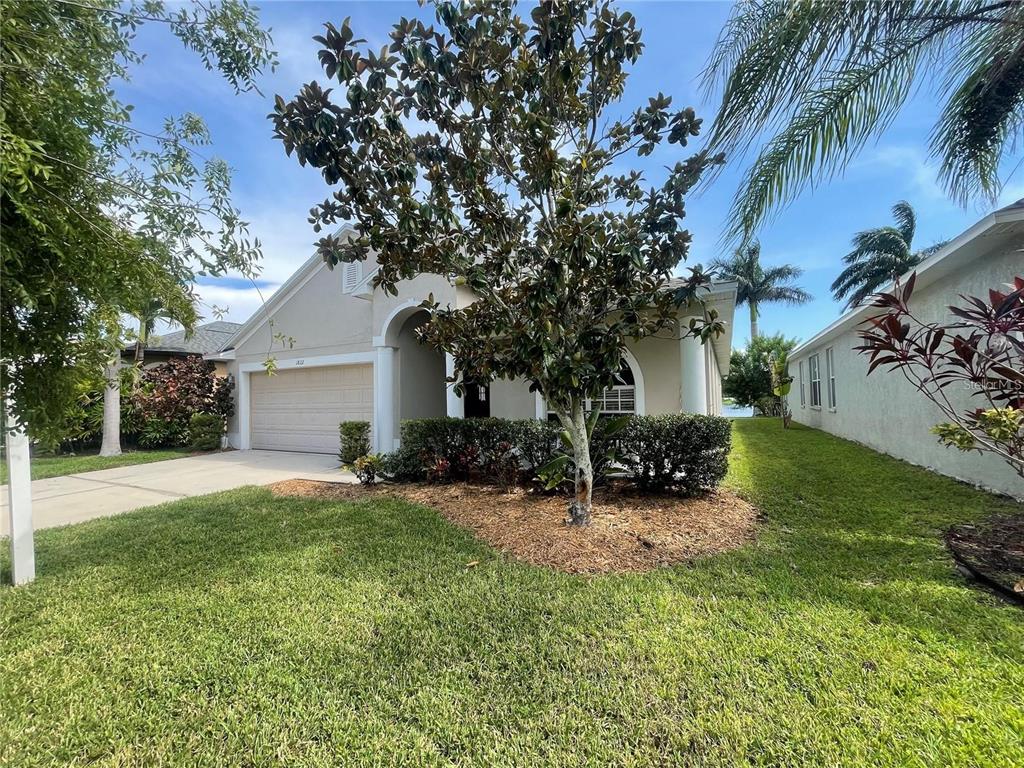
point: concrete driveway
(74, 498)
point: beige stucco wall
(660, 363)
(513, 399)
(420, 371)
(319, 317)
(883, 411)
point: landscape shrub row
(682, 453)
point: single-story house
(205, 340)
(346, 351)
(831, 388)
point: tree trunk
(753, 321)
(140, 342)
(579, 507)
(111, 445)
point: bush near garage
(169, 394)
(355, 441)
(205, 431)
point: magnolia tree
(480, 148)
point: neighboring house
(355, 356)
(831, 389)
(206, 340)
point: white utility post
(19, 491)
(455, 405)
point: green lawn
(54, 466)
(240, 629)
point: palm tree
(147, 313)
(879, 255)
(823, 78)
(758, 285)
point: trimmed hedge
(205, 431)
(682, 453)
(355, 440)
(446, 449)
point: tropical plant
(749, 381)
(171, 393)
(823, 78)
(879, 256)
(757, 285)
(147, 313)
(97, 209)
(368, 467)
(508, 185)
(983, 349)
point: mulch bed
(993, 553)
(629, 532)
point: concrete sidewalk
(74, 498)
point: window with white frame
(620, 398)
(803, 398)
(815, 371)
(830, 375)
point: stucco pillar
(456, 406)
(19, 507)
(694, 373)
(384, 399)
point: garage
(299, 409)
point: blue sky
(275, 194)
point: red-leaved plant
(982, 349)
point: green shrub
(355, 440)
(205, 431)
(367, 468)
(685, 453)
(158, 432)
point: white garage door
(300, 409)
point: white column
(694, 373)
(540, 407)
(384, 400)
(456, 406)
(19, 507)
(244, 424)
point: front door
(477, 401)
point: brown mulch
(629, 532)
(992, 552)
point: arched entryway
(409, 377)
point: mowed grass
(55, 466)
(243, 629)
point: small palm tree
(758, 285)
(879, 255)
(148, 312)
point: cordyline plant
(478, 148)
(982, 350)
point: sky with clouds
(275, 193)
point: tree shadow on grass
(863, 531)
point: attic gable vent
(350, 275)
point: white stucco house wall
(354, 356)
(832, 391)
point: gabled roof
(1004, 225)
(205, 339)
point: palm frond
(829, 127)
(821, 78)
(985, 111)
(906, 221)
